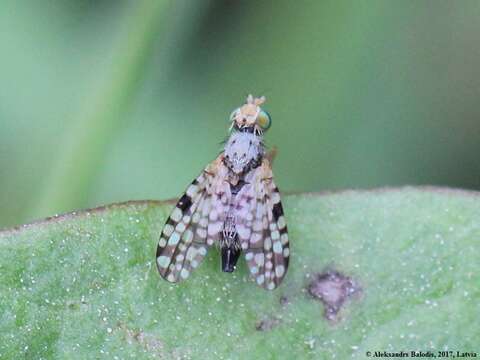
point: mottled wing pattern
(262, 228)
(220, 197)
(191, 228)
(182, 245)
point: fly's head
(244, 148)
(250, 117)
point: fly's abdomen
(229, 244)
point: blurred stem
(81, 154)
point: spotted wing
(262, 228)
(191, 228)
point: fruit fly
(235, 204)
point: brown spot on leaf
(72, 305)
(267, 324)
(333, 289)
(149, 342)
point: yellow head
(250, 116)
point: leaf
(85, 285)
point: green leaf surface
(85, 285)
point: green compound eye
(264, 120)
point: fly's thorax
(243, 151)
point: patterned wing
(192, 226)
(262, 228)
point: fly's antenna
(255, 101)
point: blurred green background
(105, 101)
